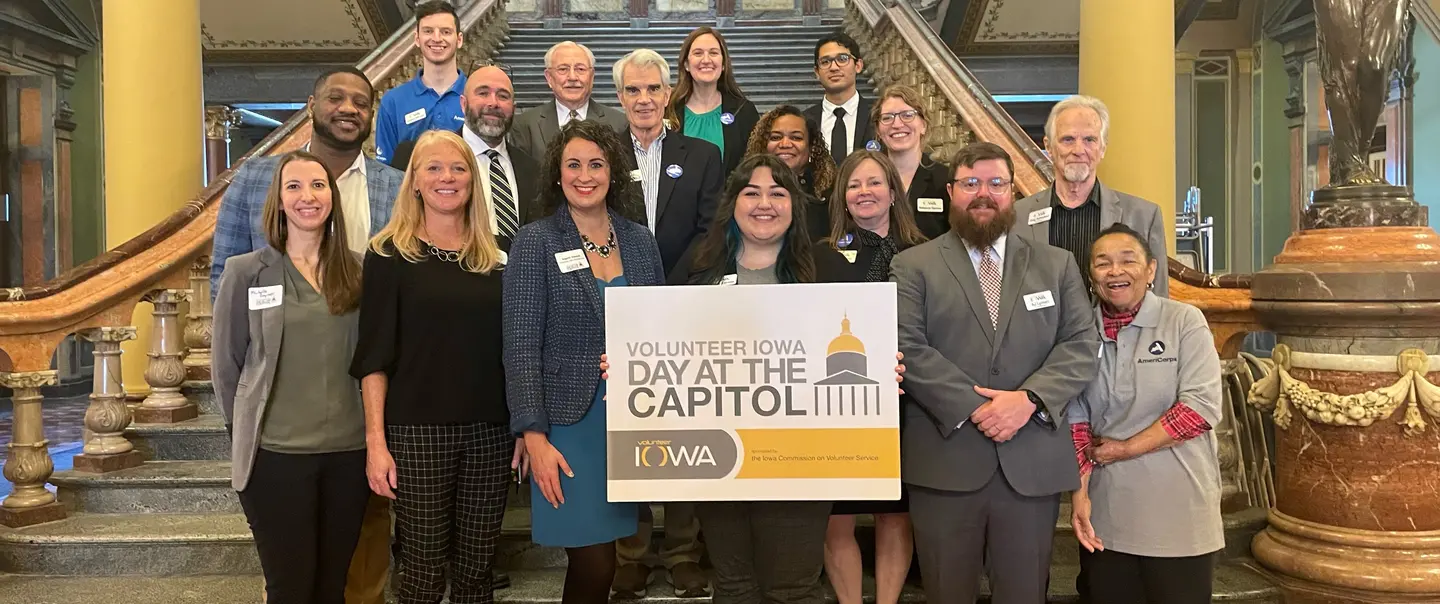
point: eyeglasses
(906, 116)
(971, 186)
(840, 59)
(565, 70)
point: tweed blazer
(238, 229)
(245, 348)
(554, 322)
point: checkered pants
(452, 482)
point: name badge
(262, 298)
(730, 279)
(1039, 216)
(415, 116)
(930, 204)
(850, 255)
(636, 175)
(504, 258)
(727, 118)
(1039, 300)
(571, 261)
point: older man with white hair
(570, 72)
(1072, 213)
(680, 180)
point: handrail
(147, 258)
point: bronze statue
(1359, 41)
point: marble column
(27, 461)
(106, 448)
(198, 322)
(219, 120)
(166, 371)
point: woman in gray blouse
(285, 329)
(1148, 510)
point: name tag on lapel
(571, 261)
(1039, 216)
(504, 257)
(415, 116)
(1039, 300)
(850, 255)
(636, 175)
(930, 204)
(270, 296)
(730, 279)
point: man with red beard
(1072, 213)
(998, 336)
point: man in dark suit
(998, 336)
(508, 176)
(844, 116)
(570, 72)
(680, 179)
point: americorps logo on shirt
(1156, 349)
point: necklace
(444, 255)
(602, 250)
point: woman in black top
(902, 128)
(429, 360)
(869, 229)
(785, 132)
(708, 93)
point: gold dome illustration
(845, 342)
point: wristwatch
(1041, 415)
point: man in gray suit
(1072, 213)
(998, 336)
(570, 72)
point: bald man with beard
(508, 176)
(998, 336)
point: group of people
(411, 335)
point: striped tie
(990, 284)
(507, 220)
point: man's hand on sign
(900, 370)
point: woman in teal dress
(707, 103)
(554, 327)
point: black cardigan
(737, 133)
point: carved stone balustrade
(166, 404)
(106, 448)
(27, 461)
(198, 322)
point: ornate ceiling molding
(350, 30)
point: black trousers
(768, 552)
(305, 511)
(452, 481)
(1117, 578)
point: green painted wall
(87, 201)
(1426, 132)
(1212, 161)
(1273, 207)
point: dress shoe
(689, 581)
(630, 581)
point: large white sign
(753, 392)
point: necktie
(507, 220)
(839, 142)
(574, 115)
(990, 284)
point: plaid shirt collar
(1114, 320)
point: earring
(1150, 285)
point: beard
(323, 130)
(1076, 172)
(479, 126)
(982, 234)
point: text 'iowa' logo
(671, 454)
(846, 389)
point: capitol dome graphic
(846, 389)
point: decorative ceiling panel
(290, 30)
(1005, 27)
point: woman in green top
(707, 103)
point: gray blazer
(950, 347)
(536, 127)
(1127, 209)
(245, 346)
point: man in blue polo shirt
(431, 101)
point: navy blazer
(554, 322)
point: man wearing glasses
(843, 116)
(1072, 213)
(570, 72)
(430, 101)
(998, 335)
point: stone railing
(901, 48)
(163, 266)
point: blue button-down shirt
(408, 110)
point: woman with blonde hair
(902, 128)
(429, 361)
(285, 326)
(786, 133)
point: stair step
(183, 487)
(132, 544)
(202, 438)
(202, 393)
(227, 589)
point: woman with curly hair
(554, 326)
(786, 133)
